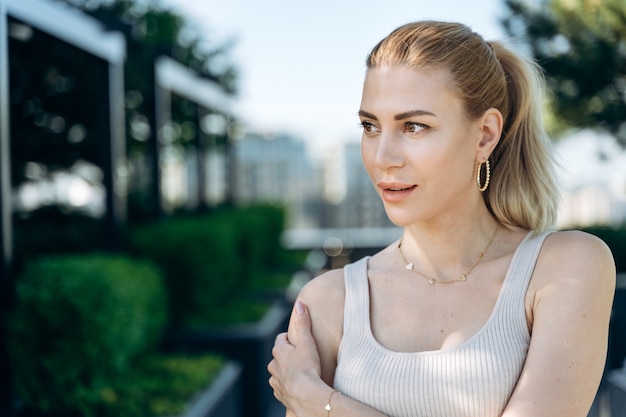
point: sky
(302, 64)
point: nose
(388, 153)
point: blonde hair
(523, 190)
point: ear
(490, 125)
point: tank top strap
(510, 309)
(523, 263)
(356, 312)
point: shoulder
(573, 249)
(324, 297)
(324, 288)
(575, 262)
(568, 308)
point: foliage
(581, 45)
(58, 117)
(152, 30)
(58, 136)
(80, 322)
(259, 229)
(55, 106)
(211, 261)
(159, 385)
(198, 257)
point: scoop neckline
(465, 343)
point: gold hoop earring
(483, 187)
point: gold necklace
(410, 266)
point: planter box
(222, 398)
(249, 344)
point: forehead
(399, 87)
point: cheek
(454, 170)
(440, 168)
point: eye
(369, 128)
(412, 127)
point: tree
(56, 124)
(152, 30)
(581, 46)
(149, 25)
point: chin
(401, 218)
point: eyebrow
(399, 116)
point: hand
(296, 360)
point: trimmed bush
(159, 385)
(211, 261)
(260, 228)
(79, 323)
(199, 259)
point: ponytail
(523, 190)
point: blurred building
(332, 192)
(275, 169)
(360, 205)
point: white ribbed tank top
(473, 379)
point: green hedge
(259, 229)
(159, 385)
(79, 323)
(199, 259)
(83, 339)
(211, 261)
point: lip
(395, 192)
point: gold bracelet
(328, 407)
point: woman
(477, 310)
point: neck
(447, 250)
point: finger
(281, 345)
(302, 322)
(281, 338)
(277, 388)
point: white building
(275, 170)
(360, 206)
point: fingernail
(299, 307)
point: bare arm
(305, 358)
(575, 283)
(296, 376)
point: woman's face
(418, 147)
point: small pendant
(409, 266)
(327, 407)
(462, 277)
(431, 281)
